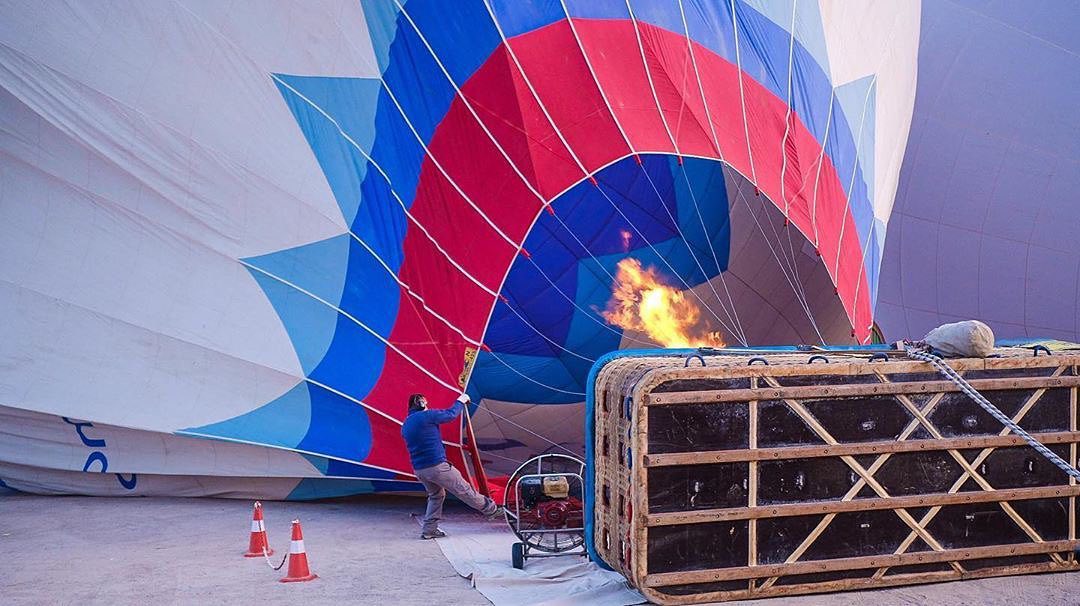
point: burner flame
(641, 302)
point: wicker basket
(726, 477)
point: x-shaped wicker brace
(970, 471)
(918, 528)
(866, 477)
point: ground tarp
(480, 551)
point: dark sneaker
(432, 534)
(499, 513)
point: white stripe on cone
(296, 546)
(258, 526)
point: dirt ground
(68, 550)
(75, 550)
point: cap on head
(417, 401)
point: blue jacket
(422, 437)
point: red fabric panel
(720, 80)
(391, 393)
(676, 85)
(502, 99)
(557, 70)
(623, 80)
(460, 231)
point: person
(424, 441)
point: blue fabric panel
(872, 261)
(282, 422)
(462, 38)
(417, 83)
(516, 17)
(841, 144)
(396, 151)
(879, 250)
(536, 299)
(424, 95)
(310, 324)
(339, 427)
(351, 102)
(811, 93)
(709, 199)
(777, 11)
(341, 469)
(320, 268)
(381, 17)
(642, 212)
(365, 199)
(763, 48)
(597, 9)
(508, 332)
(588, 334)
(380, 221)
(857, 100)
(320, 463)
(660, 14)
(494, 380)
(354, 360)
(709, 23)
(371, 295)
(840, 148)
(809, 32)
(310, 489)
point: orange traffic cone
(298, 566)
(258, 541)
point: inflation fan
(545, 508)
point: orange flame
(643, 303)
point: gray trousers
(437, 481)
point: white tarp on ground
(480, 551)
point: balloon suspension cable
(986, 405)
(533, 433)
(468, 378)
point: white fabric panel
(47, 441)
(144, 148)
(878, 37)
(68, 360)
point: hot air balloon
(236, 237)
(985, 221)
